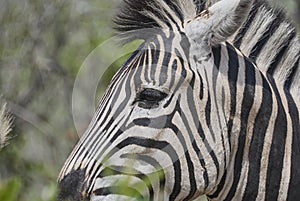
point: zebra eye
(150, 98)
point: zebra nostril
(71, 186)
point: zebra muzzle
(71, 187)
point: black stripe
(174, 6)
(248, 100)
(233, 70)
(277, 150)
(201, 91)
(264, 38)
(181, 137)
(217, 56)
(218, 110)
(217, 59)
(211, 153)
(288, 82)
(163, 77)
(176, 9)
(127, 191)
(208, 123)
(281, 53)
(90, 183)
(294, 186)
(257, 143)
(173, 73)
(169, 101)
(207, 113)
(233, 64)
(243, 30)
(219, 188)
(190, 165)
(193, 110)
(185, 47)
(183, 72)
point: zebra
(207, 105)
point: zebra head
(160, 130)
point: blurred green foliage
(10, 190)
(42, 46)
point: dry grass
(5, 125)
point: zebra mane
(140, 19)
(270, 40)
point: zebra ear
(215, 24)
